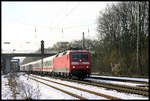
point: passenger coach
(69, 63)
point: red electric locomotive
(73, 63)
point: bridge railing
(26, 51)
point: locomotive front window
(79, 56)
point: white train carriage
(36, 66)
(48, 64)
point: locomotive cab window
(78, 56)
(64, 53)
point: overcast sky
(25, 24)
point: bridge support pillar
(15, 65)
(7, 64)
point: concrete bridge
(26, 54)
(6, 58)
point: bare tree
(117, 28)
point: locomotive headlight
(87, 66)
(74, 67)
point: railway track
(130, 76)
(122, 80)
(77, 88)
(69, 93)
(121, 88)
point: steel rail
(69, 93)
(123, 88)
(123, 80)
(85, 90)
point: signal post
(42, 53)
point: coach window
(38, 65)
(34, 65)
(44, 63)
(47, 63)
(51, 63)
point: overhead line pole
(83, 43)
(139, 66)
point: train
(70, 63)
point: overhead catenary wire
(59, 22)
(67, 14)
(59, 28)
